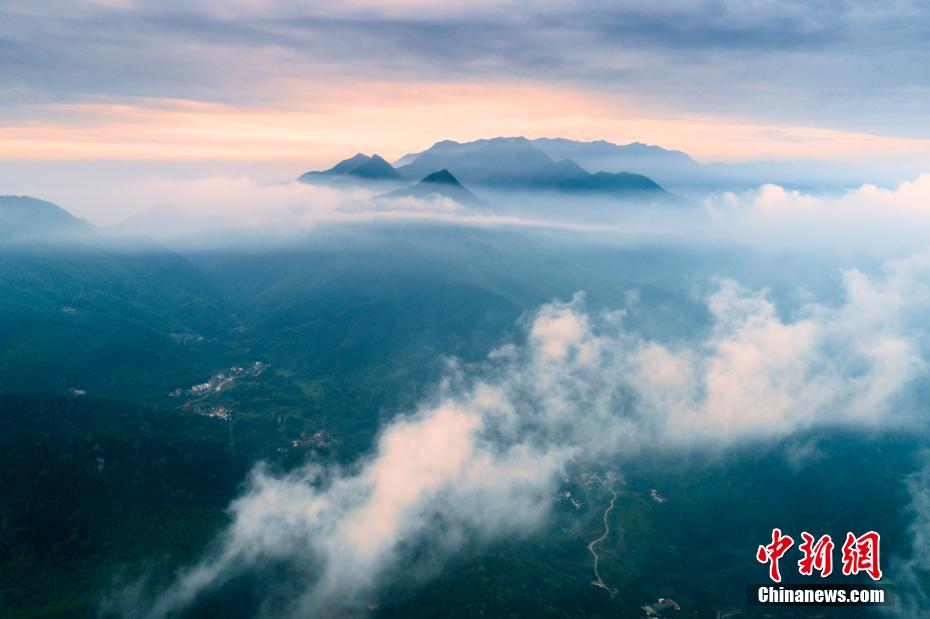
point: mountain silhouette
(517, 164)
(359, 167)
(666, 167)
(442, 183)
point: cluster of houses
(317, 440)
(216, 382)
(218, 412)
(587, 479)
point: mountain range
(518, 164)
(559, 164)
(503, 164)
(667, 167)
(679, 172)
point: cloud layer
(480, 460)
(220, 209)
(867, 218)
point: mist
(217, 212)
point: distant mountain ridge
(635, 170)
(665, 166)
(24, 216)
(504, 164)
(673, 170)
(517, 164)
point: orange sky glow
(321, 123)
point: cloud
(870, 219)
(867, 218)
(757, 373)
(480, 460)
(220, 211)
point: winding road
(598, 581)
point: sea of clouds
(217, 211)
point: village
(316, 440)
(586, 479)
(218, 381)
(217, 412)
(215, 384)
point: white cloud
(222, 210)
(212, 209)
(759, 373)
(866, 218)
(872, 219)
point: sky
(97, 91)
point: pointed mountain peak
(443, 177)
(441, 183)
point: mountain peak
(443, 177)
(361, 166)
(440, 183)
